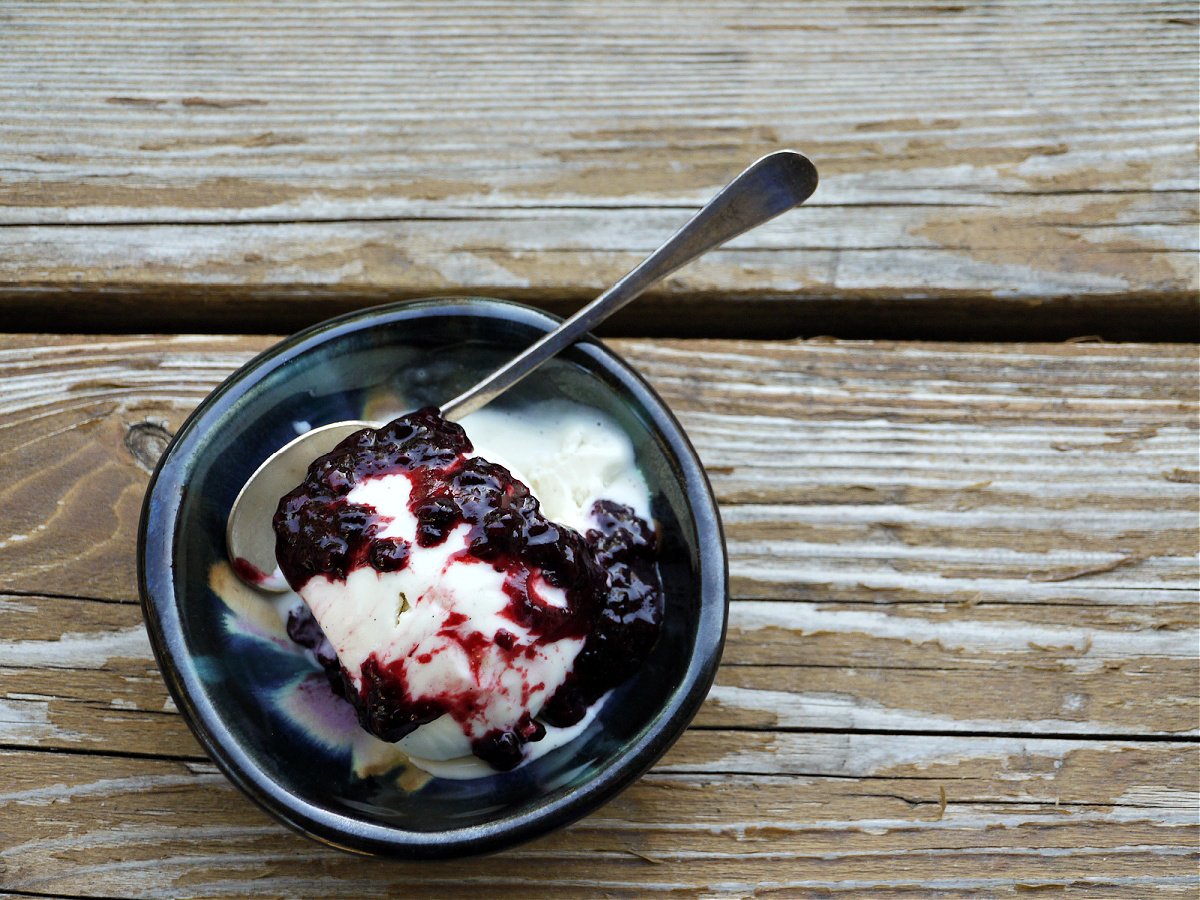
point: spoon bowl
(254, 557)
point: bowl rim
(160, 605)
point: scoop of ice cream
(441, 587)
(446, 606)
(570, 456)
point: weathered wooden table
(963, 533)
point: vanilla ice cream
(458, 582)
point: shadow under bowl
(257, 705)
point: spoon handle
(772, 185)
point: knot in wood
(146, 442)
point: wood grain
(961, 653)
(987, 169)
(961, 817)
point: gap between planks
(1171, 317)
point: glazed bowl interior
(257, 704)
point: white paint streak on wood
(76, 650)
(1160, 796)
(62, 792)
(1102, 521)
(998, 556)
(27, 722)
(1088, 647)
(847, 711)
(867, 755)
(971, 816)
(761, 575)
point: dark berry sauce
(609, 577)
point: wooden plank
(850, 704)
(966, 816)
(1016, 168)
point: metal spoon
(772, 185)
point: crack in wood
(1134, 737)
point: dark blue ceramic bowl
(268, 718)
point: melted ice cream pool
(569, 456)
